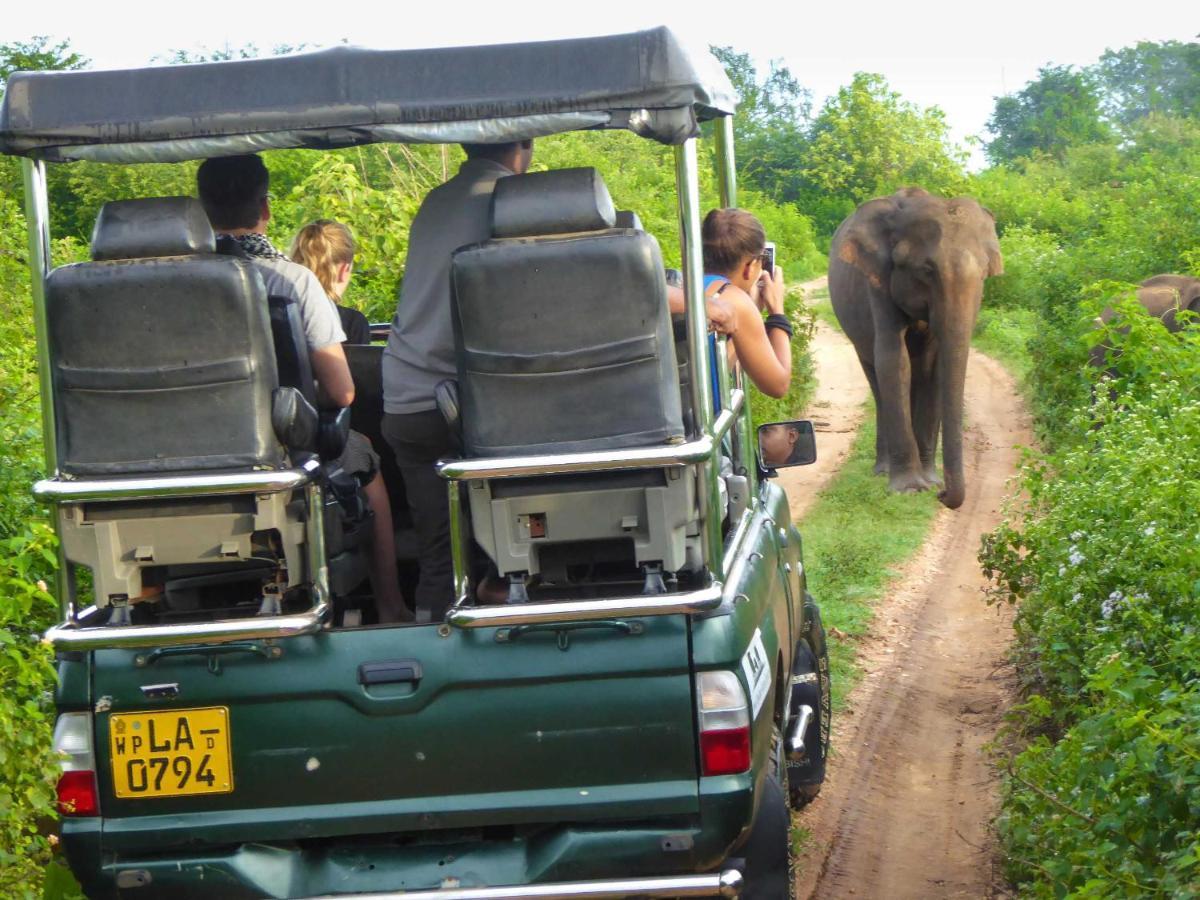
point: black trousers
(418, 441)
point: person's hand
(721, 316)
(769, 291)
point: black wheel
(768, 851)
(811, 687)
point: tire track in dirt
(910, 796)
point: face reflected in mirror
(782, 444)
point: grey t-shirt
(420, 347)
(284, 278)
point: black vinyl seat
(163, 363)
(162, 356)
(564, 344)
(562, 330)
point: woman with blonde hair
(327, 248)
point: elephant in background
(906, 277)
(1162, 296)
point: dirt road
(836, 412)
(906, 809)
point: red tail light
(724, 724)
(77, 784)
(77, 794)
(725, 752)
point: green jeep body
(550, 750)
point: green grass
(856, 538)
(1004, 335)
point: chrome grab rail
(133, 637)
(699, 450)
(727, 884)
(56, 490)
(703, 600)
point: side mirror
(785, 444)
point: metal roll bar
(699, 450)
(688, 602)
(57, 490)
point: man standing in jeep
(420, 353)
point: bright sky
(955, 55)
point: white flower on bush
(1075, 598)
(1074, 557)
(1077, 535)
(1112, 604)
(1148, 531)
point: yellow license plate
(171, 754)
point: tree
(1149, 78)
(1057, 110)
(868, 141)
(769, 127)
(37, 54)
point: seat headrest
(557, 202)
(628, 219)
(154, 226)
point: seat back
(562, 331)
(161, 351)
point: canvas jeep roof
(646, 81)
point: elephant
(906, 277)
(1160, 295)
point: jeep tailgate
(396, 729)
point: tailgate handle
(390, 671)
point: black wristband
(780, 321)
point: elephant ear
(865, 244)
(1191, 297)
(995, 262)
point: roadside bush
(1104, 562)
(26, 564)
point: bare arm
(764, 354)
(720, 314)
(334, 384)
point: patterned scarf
(256, 245)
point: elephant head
(921, 262)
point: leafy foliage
(26, 607)
(1150, 78)
(1104, 800)
(1103, 213)
(868, 141)
(1059, 109)
(37, 54)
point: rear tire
(768, 851)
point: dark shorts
(359, 458)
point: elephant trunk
(955, 342)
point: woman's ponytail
(324, 246)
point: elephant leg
(894, 376)
(926, 411)
(881, 454)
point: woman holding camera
(734, 247)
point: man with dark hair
(233, 191)
(420, 352)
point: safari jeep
(636, 720)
